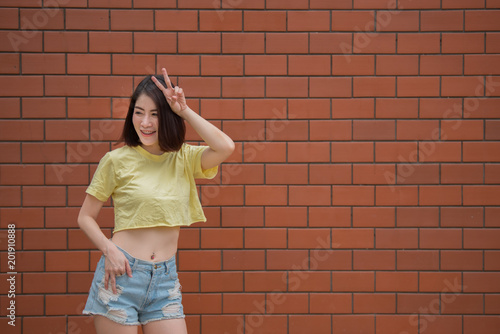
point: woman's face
(145, 120)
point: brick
(242, 216)
(222, 109)
(285, 216)
(264, 20)
(206, 42)
(176, 20)
(481, 151)
(308, 238)
(221, 238)
(397, 21)
(66, 130)
(22, 217)
(264, 152)
(245, 43)
(44, 107)
(464, 130)
(10, 63)
(65, 41)
(286, 87)
(330, 130)
(481, 64)
(308, 108)
(463, 42)
(89, 64)
(397, 65)
(417, 129)
(353, 20)
(10, 18)
(309, 20)
(462, 86)
(352, 152)
(354, 323)
(223, 195)
(374, 43)
(131, 19)
(307, 281)
(43, 152)
(401, 195)
(195, 303)
(465, 174)
(100, 41)
(41, 19)
(34, 324)
(242, 87)
(440, 195)
(330, 43)
(492, 42)
(265, 195)
(441, 65)
(353, 65)
(480, 238)
(381, 4)
(441, 20)
(265, 65)
(418, 86)
(439, 152)
(374, 86)
(44, 196)
(396, 238)
(43, 64)
(221, 20)
(418, 174)
(27, 305)
(309, 195)
(440, 239)
(87, 19)
(221, 282)
(373, 217)
(462, 4)
(241, 303)
(419, 43)
(287, 4)
(492, 130)
(481, 20)
(244, 4)
(197, 4)
(89, 107)
(25, 130)
(374, 303)
(265, 281)
(44, 283)
(353, 108)
(66, 85)
(330, 174)
(21, 85)
(373, 130)
(395, 324)
(352, 238)
(286, 43)
(374, 260)
(480, 324)
(222, 65)
(243, 259)
(396, 108)
(309, 65)
(21, 174)
(110, 86)
(326, 4)
(481, 282)
(133, 64)
(67, 261)
(441, 108)
(330, 87)
(309, 152)
(287, 259)
(396, 281)
(353, 281)
(12, 108)
(219, 323)
(265, 238)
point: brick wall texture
(363, 195)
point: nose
(146, 121)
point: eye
(137, 112)
(154, 114)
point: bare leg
(170, 326)
(105, 326)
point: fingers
(157, 83)
(167, 79)
(128, 269)
(106, 277)
(113, 285)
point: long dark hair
(171, 127)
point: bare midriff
(150, 244)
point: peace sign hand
(174, 95)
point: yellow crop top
(151, 190)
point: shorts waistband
(139, 263)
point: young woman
(151, 181)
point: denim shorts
(152, 293)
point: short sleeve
(193, 156)
(104, 181)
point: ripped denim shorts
(152, 293)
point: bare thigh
(170, 326)
(105, 326)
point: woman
(151, 180)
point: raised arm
(220, 145)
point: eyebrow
(137, 107)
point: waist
(152, 243)
(136, 263)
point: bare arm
(116, 263)
(220, 145)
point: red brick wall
(363, 195)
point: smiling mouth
(147, 133)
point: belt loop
(135, 264)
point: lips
(147, 133)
